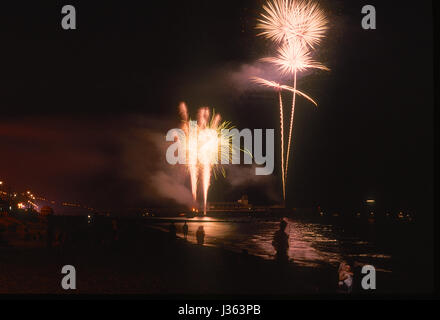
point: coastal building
(241, 205)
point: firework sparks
(282, 142)
(205, 142)
(275, 85)
(287, 20)
(293, 57)
(275, 21)
(297, 26)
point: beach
(144, 260)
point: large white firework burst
(286, 20)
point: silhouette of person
(172, 231)
(185, 230)
(281, 243)
(200, 234)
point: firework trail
(293, 57)
(292, 112)
(279, 88)
(190, 129)
(297, 26)
(282, 142)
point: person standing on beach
(185, 230)
(200, 234)
(281, 243)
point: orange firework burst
(206, 141)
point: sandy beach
(145, 260)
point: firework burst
(293, 57)
(293, 20)
(297, 26)
(207, 144)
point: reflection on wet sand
(310, 244)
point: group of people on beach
(280, 240)
(200, 233)
(281, 245)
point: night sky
(73, 102)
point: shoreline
(145, 261)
